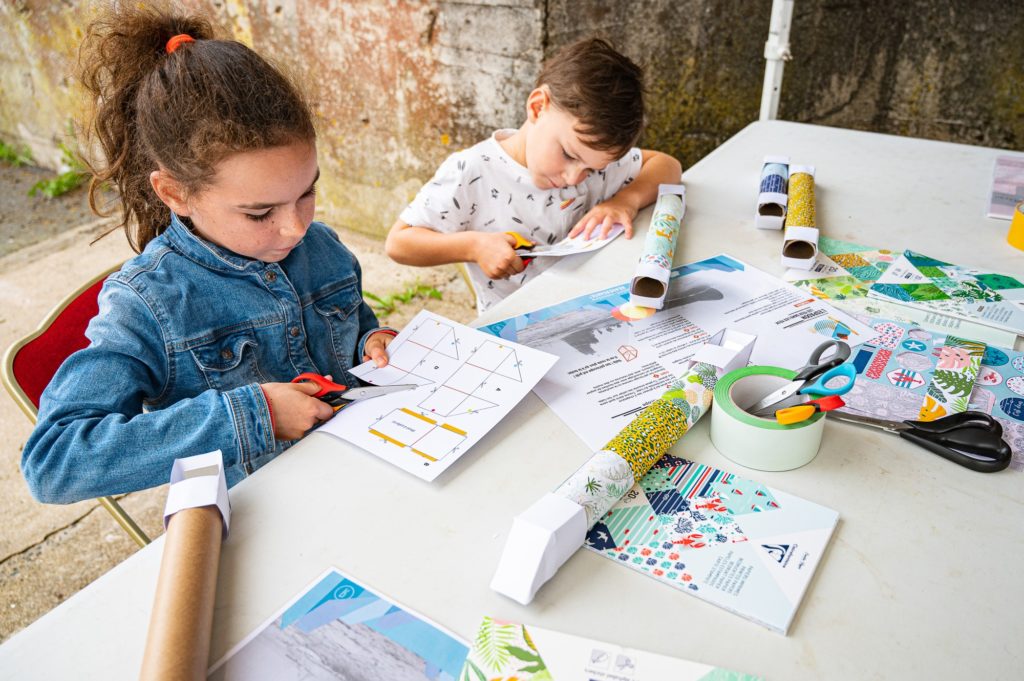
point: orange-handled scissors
(340, 396)
(523, 246)
(802, 412)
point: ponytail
(182, 109)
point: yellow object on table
(1016, 235)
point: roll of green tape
(760, 443)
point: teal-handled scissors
(340, 396)
(812, 378)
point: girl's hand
(496, 255)
(601, 217)
(294, 409)
(376, 348)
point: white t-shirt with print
(483, 189)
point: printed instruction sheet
(468, 381)
(615, 359)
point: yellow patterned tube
(800, 240)
(604, 478)
(649, 436)
(800, 210)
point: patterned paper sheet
(845, 273)
(901, 369)
(731, 541)
(507, 651)
(920, 281)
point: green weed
(70, 179)
(14, 156)
(385, 305)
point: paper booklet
(340, 629)
(468, 382)
(979, 295)
(1007, 186)
(507, 650)
(845, 274)
(733, 542)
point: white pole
(776, 54)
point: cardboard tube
(650, 283)
(178, 644)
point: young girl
(235, 291)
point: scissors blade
(862, 420)
(371, 391)
(773, 398)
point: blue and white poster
(340, 630)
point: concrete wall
(398, 85)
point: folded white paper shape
(198, 481)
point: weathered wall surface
(400, 84)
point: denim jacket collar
(207, 254)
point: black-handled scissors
(807, 375)
(972, 439)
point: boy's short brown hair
(602, 88)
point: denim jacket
(186, 332)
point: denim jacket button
(294, 331)
(271, 275)
(226, 353)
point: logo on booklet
(780, 553)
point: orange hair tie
(177, 41)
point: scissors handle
(972, 439)
(818, 387)
(326, 385)
(521, 241)
(522, 247)
(802, 412)
(815, 367)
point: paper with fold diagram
(468, 382)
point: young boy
(571, 168)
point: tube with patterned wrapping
(650, 283)
(800, 240)
(552, 529)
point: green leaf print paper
(918, 280)
(953, 381)
(508, 650)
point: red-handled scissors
(340, 396)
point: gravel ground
(47, 553)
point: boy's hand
(601, 217)
(496, 255)
(376, 348)
(294, 408)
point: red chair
(29, 365)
